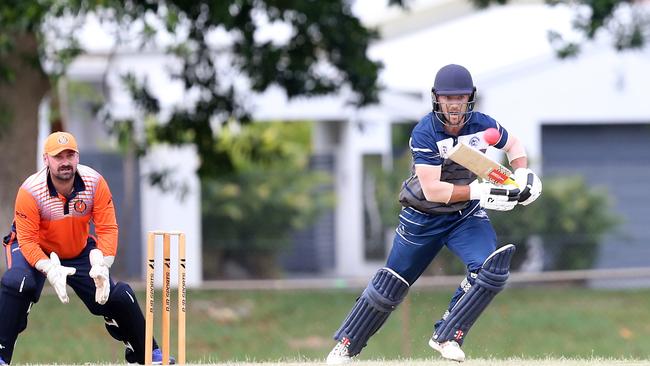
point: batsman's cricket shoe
(156, 358)
(449, 350)
(340, 354)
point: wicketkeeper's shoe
(449, 350)
(340, 354)
(156, 358)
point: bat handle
(510, 181)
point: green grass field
(479, 362)
(564, 326)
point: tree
(326, 51)
(22, 86)
(570, 217)
(625, 20)
(249, 215)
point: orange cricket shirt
(47, 221)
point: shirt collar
(77, 186)
(439, 127)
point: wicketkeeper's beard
(65, 172)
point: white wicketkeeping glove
(493, 197)
(56, 274)
(529, 184)
(99, 273)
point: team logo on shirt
(473, 142)
(80, 206)
(444, 151)
(444, 146)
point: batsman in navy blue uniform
(444, 205)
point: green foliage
(625, 20)
(482, 4)
(324, 52)
(28, 17)
(251, 212)
(21, 16)
(570, 217)
(388, 182)
(387, 186)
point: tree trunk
(20, 101)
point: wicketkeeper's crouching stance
(443, 205)
(50, 240)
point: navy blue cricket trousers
(81, 282)
(420, 236)
(15, 303)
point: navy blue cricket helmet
(453, 80)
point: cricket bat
(481, 165)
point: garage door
(616, 156)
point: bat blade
(481, 165)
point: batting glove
(493, 197)
(99, 273)
(530, 185)
(56, 275)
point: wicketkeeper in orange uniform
(51, 239)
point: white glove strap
(43, 265)
(97, 258)
(475, 190)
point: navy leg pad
(17, 292)
(385, 291)
(490, 281)
(21, 282)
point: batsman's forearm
(444, 192)
(438, 191)
(460, 194)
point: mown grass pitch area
(478, 362)
(523, 325)
(433, 362)
(470, 362)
